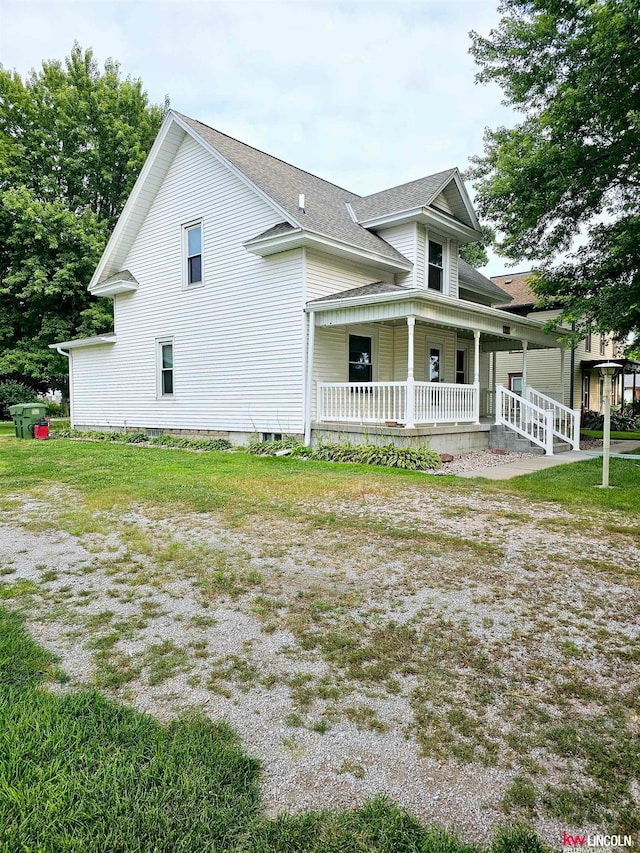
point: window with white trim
(435, 269)
(165, 368)
(193, 254)
(360, 358)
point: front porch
(408, 366)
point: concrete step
(506, 439)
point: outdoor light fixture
(608, 370)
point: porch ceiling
(498, 329)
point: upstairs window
(436, 266)
(587, 342)
(603, 345)
(193, 253)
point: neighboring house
(571, 378)
(251, 297)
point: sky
(366, 94)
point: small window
(603, 344)
(434, 365)
(165, 359)
(360, 359)
(587, 342)
(461, 366)
(193, 250)
(515, 383)
(436, 267)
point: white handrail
(526, 418)
(405, 403)
(566, 421)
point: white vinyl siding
(326, 275)
(331, 358)
(423, 336)
(454, 289)
(238, 341)
(404, 238)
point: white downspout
(67, 355)
(311, 328)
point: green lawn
(634, 435)
(81, 774)
(7, 427)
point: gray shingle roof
(469, 275)
(325, 203)
(123, 275)
(365, 290)
(405, 197)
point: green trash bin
(24, 415)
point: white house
(251, 297)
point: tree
(72, 142)
(563, 186)
(476, 253)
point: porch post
(524, 369)
(476, 375)
(411, 388)
(308, 391)
(562, 375)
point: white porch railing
(566, 422)
(487, 402)
(386, 402)
(362, 402)
(444, 402)
(526, 418)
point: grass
(81, 774)
(633, 435)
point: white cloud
(367, 94)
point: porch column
(308, 391)
(476, 375)
(411, 388)
(524, 369)
(562, 375)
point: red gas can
(41, 429)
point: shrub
(271, 448)
(622, 421)
(409, 458)
(14, 392)
(143, 438)
(55, 410)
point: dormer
(426, 220)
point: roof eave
(297, 239)
(79, 343)
(427, 216)
(112, 288)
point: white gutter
(418, 293)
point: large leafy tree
(73, 139)
(476, 253)
(563, 186)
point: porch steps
(506, 439)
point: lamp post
(607, 370)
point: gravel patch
(242, 622)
